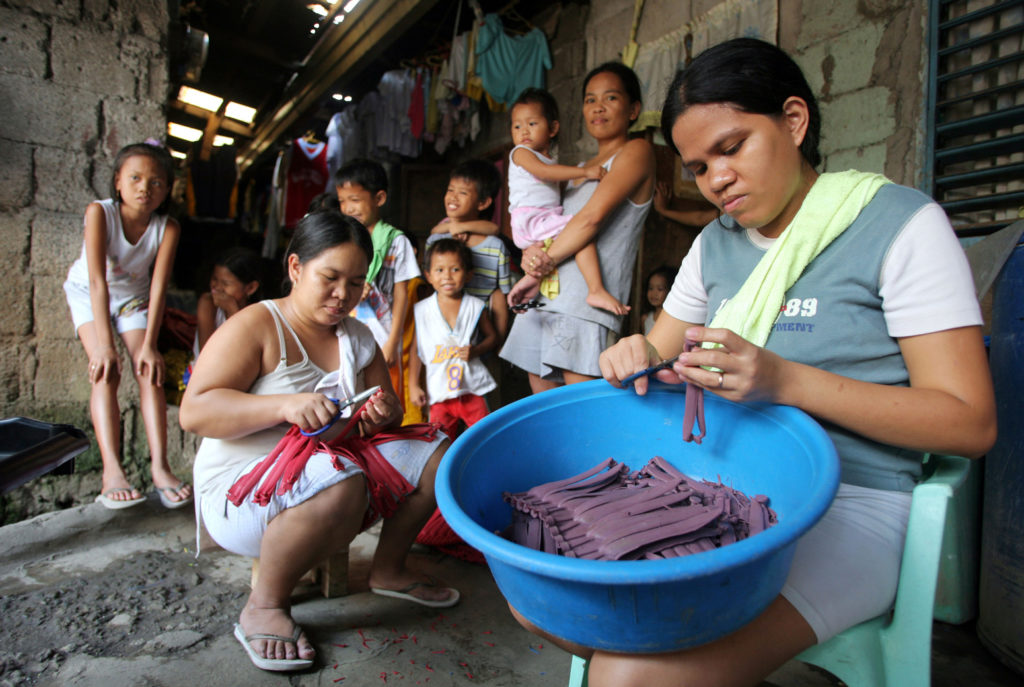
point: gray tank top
(616, 248)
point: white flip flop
(403, 593)
(274, 664)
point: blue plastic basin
(638, 606)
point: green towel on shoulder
(382, 234)
(831, 205)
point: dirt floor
(95, 597)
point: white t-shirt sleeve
(405, 259)
(926, 283)
(687, 301)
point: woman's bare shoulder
(252, 323)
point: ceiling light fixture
(194, 96)
(350, 5)
(184, 132)
(316, 8)
(220, 140)
(242, 113)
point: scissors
(663, 365)
(526, 305)
(342, 405)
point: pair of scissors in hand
(647, 372)
(526, 305)
(342, 405)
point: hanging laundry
(305, 179)
(417, 112)
(508, 65)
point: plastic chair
(894, 650)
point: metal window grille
(976, 112)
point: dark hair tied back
(750, 75)
(629, 79)
(322, 230)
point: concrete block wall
(78, 80)
(865, 61)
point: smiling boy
(472, 187)
(361, 186)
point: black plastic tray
(31, 448)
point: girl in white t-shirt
(109, 288)
(534, 193)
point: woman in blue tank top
(872, 327)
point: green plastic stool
(939, 560)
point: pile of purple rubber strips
(610, 513)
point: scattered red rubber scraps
(609, 513)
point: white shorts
(126, 312)
(240, 529)
(846, 567)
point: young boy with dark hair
(362, 188)
(472, 188)
(453, 330)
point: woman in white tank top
(260, 374)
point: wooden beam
(372, 27)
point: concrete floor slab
(96, 597)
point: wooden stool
(331, 575)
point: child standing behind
(534, 192)
(452, 332)
(472, 188)
(659, 281)
(236, 282)
(362, 187)
(109, 287)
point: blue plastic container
(638, 606)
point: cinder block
(607, 38)
(824, 20)
(62, 182)
(56, 242)
(17, 317)
(88, 60)
(11, 365)
(867, 159)
(22, 44)
(844, 63)
(51, 8)
(663, 16)
(34, 111)
(857, 119)
(14, 235)
(15, 167)
(52, 318)
(148, 18)
(130, 122)
(148, 64)
(61, 373)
